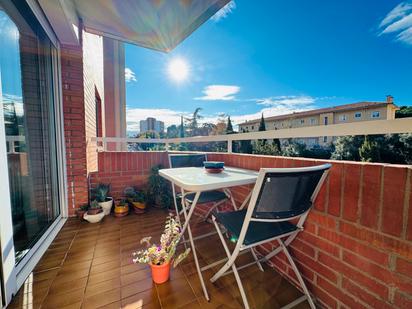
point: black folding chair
(216, 197)
(280, 195)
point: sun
(178, 69)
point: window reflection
(26, 97)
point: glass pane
(27, 99)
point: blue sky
(277, 57)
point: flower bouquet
(160, 256)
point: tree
(369, 151)
(347, 148)
(229, 127)
(276, 142)
(245, 145)
(172, 131)
(182, 127)
(294, 149)
(403, 112)
(220, 126)
(259, 147)
(406, 150)
(262, 127)
(193, 122)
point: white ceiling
(155, 24)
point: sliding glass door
(28, 104)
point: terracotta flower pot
(160, 273)
(121, 211)
(139, 205)
(139, 208)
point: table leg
(192, 244)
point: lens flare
(178, 69)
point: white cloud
(288, 101)
(399, 21)
(275, 106)
(129, 75)
(272, 106)
(219, 92)
(225, 11)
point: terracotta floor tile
(90, 266)
(135, 276)
(58, 300)
(103, 276)
(102, 299)
(67, 286)
(137, 287)
(141, 299)
(93, 289)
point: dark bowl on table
(214, 167)
(214, 164)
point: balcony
(89, 266)
(353, 252)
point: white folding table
(197, 180)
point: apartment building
(151, 125)
(347, 113)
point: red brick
(355, 246)
(402, 300)
(339, 294)
(320, 244)
(371, 195)
(404, 267)
(374, 270)
(351, 192)
(359, 293)
(322, 220)
(321, 199)
(322, 296)
(377, 240)
(335, 188)
(393, 200)
(327, 272)
(409, 214)
(364, 280)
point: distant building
(362, 111)
(151, 125)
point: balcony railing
(403, 125)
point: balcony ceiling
(155, 24)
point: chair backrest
(187, 160)
(287, 192)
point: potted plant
(129, 193)
(139, 202)
(160, 256)
(121, 208)
(81, 211)
(159, 191)
(100, 193)
(95, 213)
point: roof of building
(339, 108)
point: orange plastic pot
(160, 273)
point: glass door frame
(13, 276)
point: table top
(195, 179)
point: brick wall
(122, 169)
(356, 250)
(92, 87)
(74, 126)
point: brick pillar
(74, 126)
